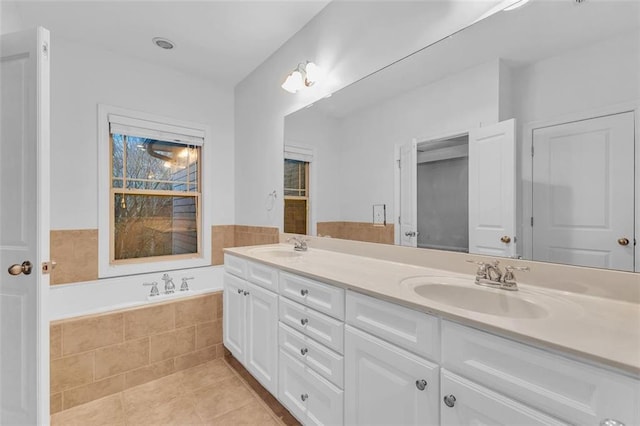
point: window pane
(295, 216)
(153, 225)
(154, 164)
(294, 178)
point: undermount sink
(464, 294)
(280, 252)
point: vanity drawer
(323, 361)
(263, 275)
(235, 265)
(324, 329)
(320, 296)
(412, 330)
(570, 390)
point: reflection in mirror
(514, 137)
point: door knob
(623, 241)
(506, 239)
(410, 234)
(421, 384)
(25, 268)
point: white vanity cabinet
(311, 340)
(467, 403)
(569, 390)
(387, 378)
(250, 321)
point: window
(296, 196)
(151, 201)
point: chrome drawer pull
(304, 397)
(304, 351)
(304, 321)
(450, 400)
(246, 293)
(240, 291)
(421, 384)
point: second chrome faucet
(490, 275)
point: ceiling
(221, 41)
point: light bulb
(314, 73)
(294, 82)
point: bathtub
(110, 294)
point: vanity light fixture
(305, 75)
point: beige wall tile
(71, 371)
(171, 344)
(93, 332)
(55, 402)
(93, 391)
(145, 321)
(218, 298)
(217, 244)
(149, 373)
(117, 359)
(196, 310)
(208, 334)
(196, 358)
(105, 411)
(55, 341)
(76, 255)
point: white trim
(105, 269)
(43, 225)
(527, 166)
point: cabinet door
(233, 316)
(262, 336)
(477, 405)
(292, 385)
(325, 401)
(381, 383)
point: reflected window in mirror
(296, 197)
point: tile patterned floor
(209, 394)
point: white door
(233, 315)
(408, 164)
(384, 384)
(24, 227)
(583, 193)
(262, 336)
(492, 190)
(466, 403)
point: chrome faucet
(185, 285)
(490, 275)
(169, 286)
(299, 243)
(154, 288)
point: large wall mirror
(514, 137)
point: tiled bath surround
(76, 250)
(99, 355)
(357, 231)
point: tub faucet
(185, 285)
(169, 286)
(154, 288)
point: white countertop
(597, 329)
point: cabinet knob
(449, 400)
(611, 422)
(304, 321)
(304, 397)
(304, 292)
(304, 351)
(246, 293)
(421, 384)
(240, 291)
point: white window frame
(166, 124)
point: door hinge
(47, 267)
(531, 220)
(398, 163)
(398, 220)
(532, 150)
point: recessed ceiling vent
(163, 43)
